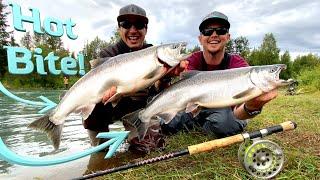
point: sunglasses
(128, 25)
(219, 31)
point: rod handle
(219, 143)
(288, 125)
(215, 144)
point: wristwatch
(251, 112)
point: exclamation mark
(81, 64)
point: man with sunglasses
(132, 28)
(214, 36)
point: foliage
(285, 59)
(34, 80)
(92, 50)
(4, 36)
(115, 38)
(240, 46)
(13, 41)
(194, 49)
(310, 78)
(306, 62)
(26, 40)
(230, 46)
(267, 53)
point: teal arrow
(45, 101)
(115, 139)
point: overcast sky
(294, 23)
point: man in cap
(132, 28)
(214, 36)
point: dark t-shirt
(197, 62)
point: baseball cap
(214, 16)
(132, 10)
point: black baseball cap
(215, 16)
(132, 10)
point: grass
(301, 147)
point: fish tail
(53, 131)
(133, 123)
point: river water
(14, 119)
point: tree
(26, 40)
(307, 62)
(4, 36)
(230, 46)
(38, 39)
(115, 38)
(270, 50)
(267, 53)
(194, 49)
(285, 59)
(92, 49)
(13, 41)
(241, 46)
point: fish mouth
(170, 55)
(286, 82)
(280, 68)
(283, 81)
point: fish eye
(273, 70)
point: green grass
(301, 147)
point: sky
(294, 23)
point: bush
(310, 78)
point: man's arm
(255, 104)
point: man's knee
(181, 122)
(222, 123)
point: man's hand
(179, 68)
(254, 104)
(109, 93)
(260, 101)
(182, 66)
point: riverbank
(301, 147)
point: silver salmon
(128, 72)
(209, 89)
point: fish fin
(189, 74)
(85, 111)
(53, 131)
(114, 99)
(151, 74)
(167, 116)
(193, 108)
(243, 93)
(133, 123)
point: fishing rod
(258, 155)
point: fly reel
(263, 159)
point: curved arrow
(46, 102)
(116, 139)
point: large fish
(209, 89)
(129, 72)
